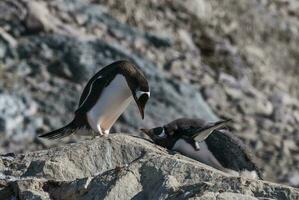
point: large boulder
(123, 167)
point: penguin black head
(141, 97)
(160, 137)
(137, 83)
(191, 130)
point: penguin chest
(112, 102)
(203, 155)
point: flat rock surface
(123, 167)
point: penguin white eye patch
(162, 134)
(140, 93)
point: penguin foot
(106, 133)
(100, 130)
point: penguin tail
(62, 132)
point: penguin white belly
(204, 155)
(112, 102)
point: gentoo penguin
(202, 141)
(105, 97)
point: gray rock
(125, 167)
(234, 196)
(13, 113)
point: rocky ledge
(123, 167)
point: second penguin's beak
(149, 133)
(144, 130)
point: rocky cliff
(123, 167)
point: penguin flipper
(60, 133)
(201, 134)
(89, 99)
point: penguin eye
(159, 132)
(140, 93)
(162, 134)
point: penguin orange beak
(141, 102)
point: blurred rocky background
(214, 59)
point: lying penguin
(193, 138)
(105, 97)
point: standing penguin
(105, 97)
(202, 141)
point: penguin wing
(200, 134)
(91, 93)
(104, 74)
(184, 125)
(85, 92)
